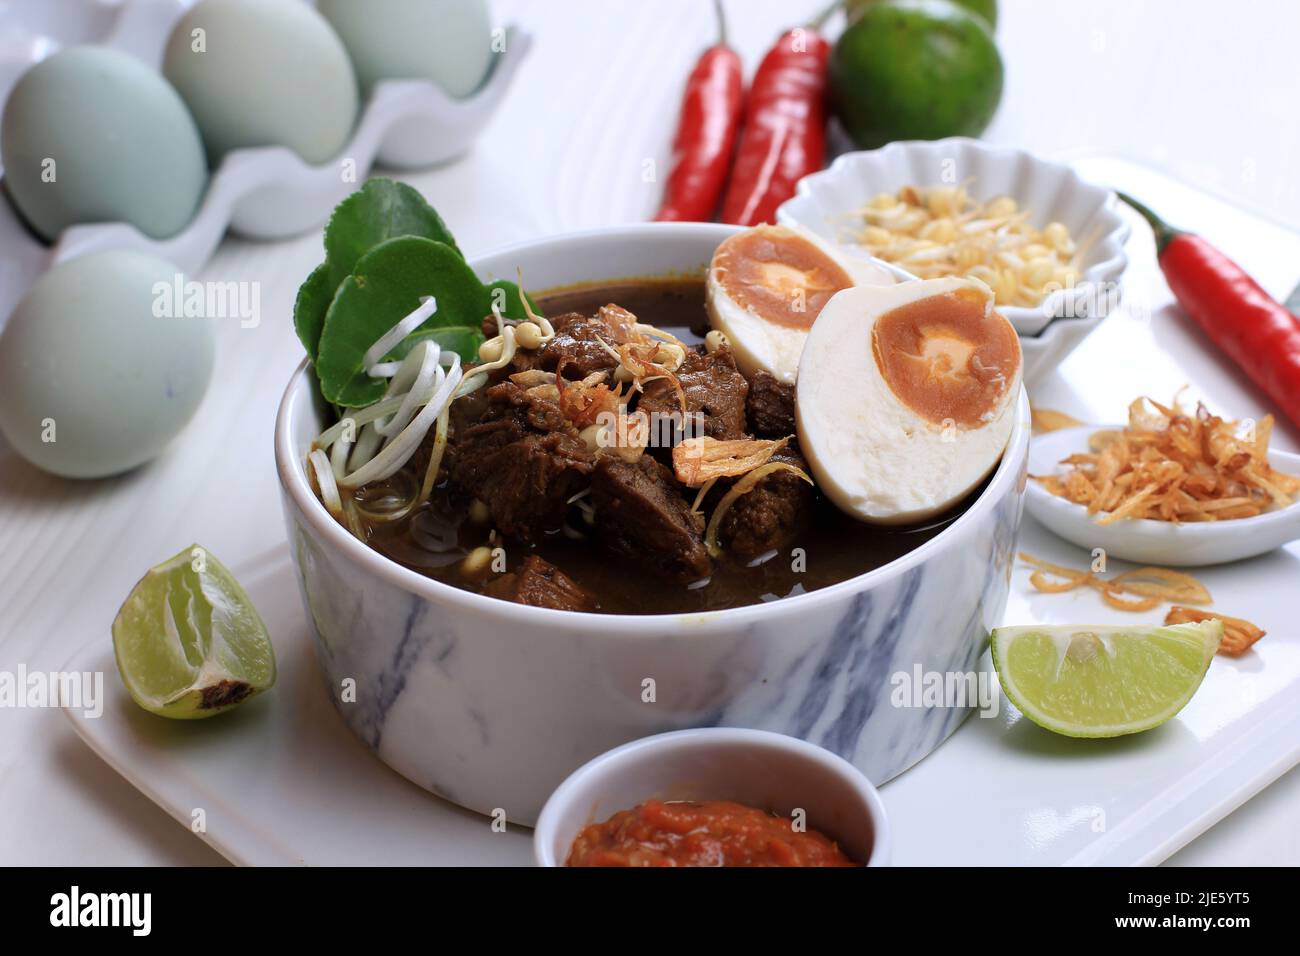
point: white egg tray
(261, 193)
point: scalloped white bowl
(825, 202)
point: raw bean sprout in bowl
(1050, 244)
(584, 517)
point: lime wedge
(1100, 681)
(189, 642)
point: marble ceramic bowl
(492, 704)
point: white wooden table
(1156, 80)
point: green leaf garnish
(461, 339)
(386, 249)
(309, 308)
(387, 284)
(382, 209)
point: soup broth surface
(833, 548)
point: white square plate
(283, 781)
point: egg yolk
(778, 275)
(947, 357)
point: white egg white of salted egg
(446, 41)
(93, 135)
(906, 397)
(92, 381)
(766, 286)
(263, 73)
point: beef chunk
(576, 345)
(536, 412)
(464, 413)
(770, 515)
(523, 460)
(577, 342)
(770, 406)
(538, 583)
(527, 483)
(642, 515)
(715, 392)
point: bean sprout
(375, 354)
(399, 450)
(430, 374)
(329, 490)
(339, 454)
(435, 458)
(941, 231)
(360, 416)
(368, 442)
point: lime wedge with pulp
(1103, 681)
(189, 642)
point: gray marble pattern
(491, 705)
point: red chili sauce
(711, 833)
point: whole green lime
(915, 69)
(988, 9)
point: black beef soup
(533, 502)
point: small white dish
(1191, 544)
(825, 202)
(756, 768)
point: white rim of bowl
(293, 481)
(644, 749)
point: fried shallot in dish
(1170, 465)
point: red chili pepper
(706, 133)
(1254, 329)
(784, 137)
